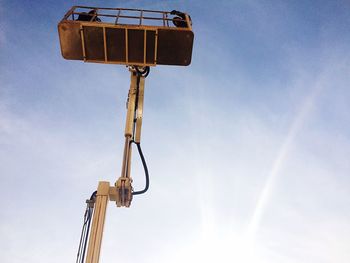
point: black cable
(86, 228)
(93, 195)
(82, 236)
(87, 233)
(144, 72)
(144, 164)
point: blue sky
(248, 148)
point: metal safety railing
(128, 16)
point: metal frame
(140, 20)
(121, 193)
(105, 61)
(95, 240)
(132, 127)
(157, 39)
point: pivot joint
(123, 191)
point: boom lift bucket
(126, 36)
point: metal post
(139, 110)
(129, 125)
(132, 132)
(93, 254)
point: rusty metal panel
(70, 40)
(136, 46)
(128, 45)
(93, 42)
(150, 46)
(116, 49)
(174, 47)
